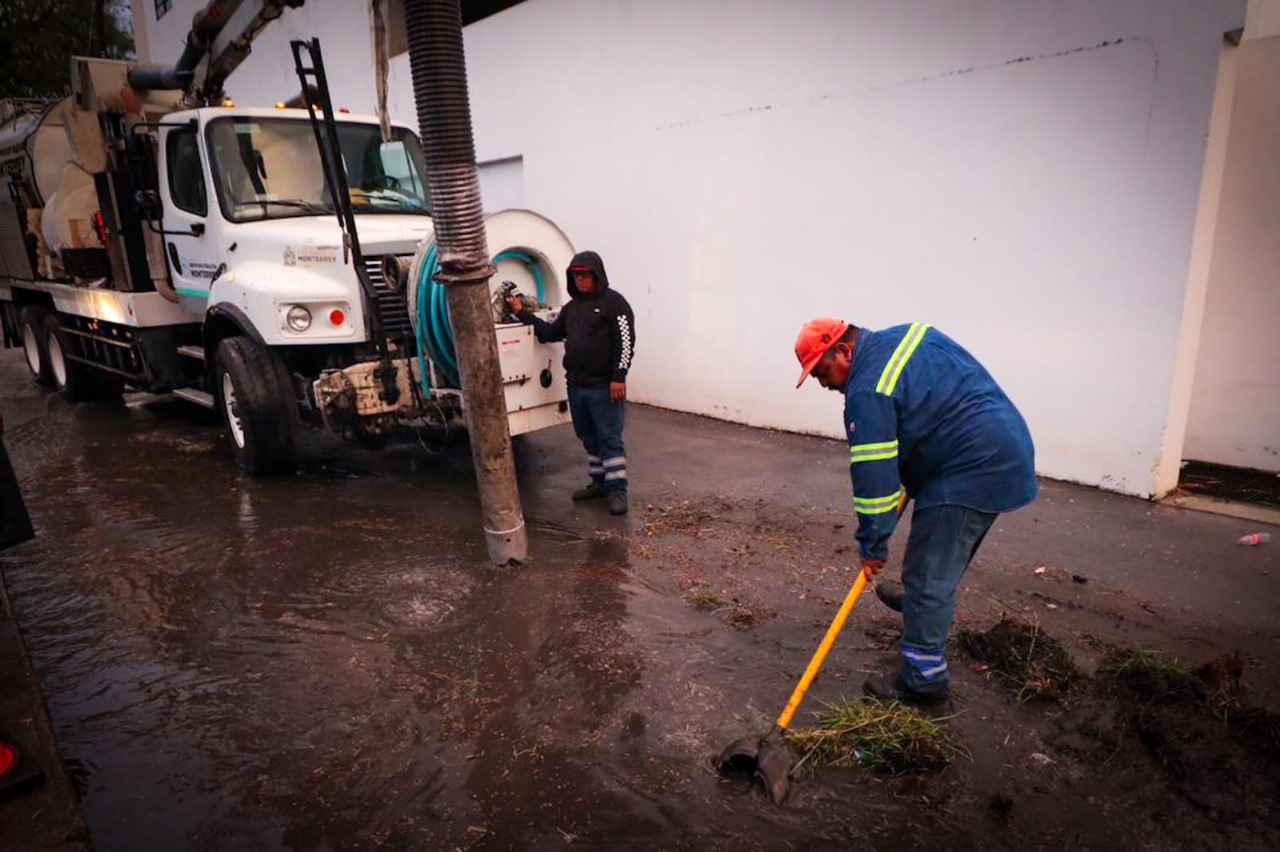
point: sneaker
(617, 502)
(591, 492)
(890, 688)
(891, 594)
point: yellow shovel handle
(820, 655)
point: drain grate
(1238, 484)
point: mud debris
(1024, 657)
(1150, 676)
(1000, 806)
(686, 517)
(1258, 730)
(744, 617)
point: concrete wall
(1021, 173)
(1235, 404)
(1202, 243)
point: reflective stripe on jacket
(922, 414)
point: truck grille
(391, 305)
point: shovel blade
(768, 758)
(773, 765)
(740, 757)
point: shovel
(769, 758)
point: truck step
(196, 352)
(199, 397)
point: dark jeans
(943, 541)
(597, 421)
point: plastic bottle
(1254, 538)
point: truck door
(189, 245)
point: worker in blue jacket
(923, 419)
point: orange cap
(817, 336)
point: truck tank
(47, 195)
(34, 147)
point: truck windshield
(269, 168)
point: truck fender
(225, 320)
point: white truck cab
(202, 251)
(250, 225)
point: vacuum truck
(275, 263)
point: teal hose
(434, 332)
(530, 264)
(430, 299)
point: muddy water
(325, 661)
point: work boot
(891, 688)
(891, 594)
(617, 502)
(592, 491)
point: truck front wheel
(31, 327)
(257, 402)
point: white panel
(525, 365)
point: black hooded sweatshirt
(599, 331)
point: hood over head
(586, 260)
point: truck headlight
(298, 318)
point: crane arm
(223, 31)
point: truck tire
(256, 397)
(78, 382)
(31, 328)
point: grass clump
(882, 735)
(704, 598)
(1028, 660)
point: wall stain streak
(959, 72)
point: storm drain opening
(1237, 484)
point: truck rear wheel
(257, 402)
(78, 382)
(31, 327)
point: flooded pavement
(326, 660)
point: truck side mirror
(148, 204)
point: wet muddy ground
(325, 661)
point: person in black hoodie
(599, 334)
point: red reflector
(337, 317)
(8, 757)
(100, 223)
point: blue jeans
(943, 541)
(598, 421)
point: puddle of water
(328, 662)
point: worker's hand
(617, 391)
(515, 305)
(872, 567)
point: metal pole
(436, 58)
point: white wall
(1235, 404)
(1021, 173)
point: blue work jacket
(922, 414)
